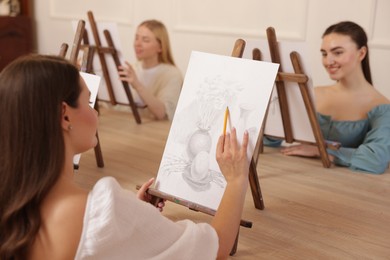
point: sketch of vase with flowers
(212, 97)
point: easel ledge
(157, 196)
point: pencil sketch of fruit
(200, 166)
(195, 173)
(200, 141)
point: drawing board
(117, 85)
(301, 127)
(188, 169)
(93, 83)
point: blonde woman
(155, 78)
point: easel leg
(259, 148)
(98, 153)
(234, 249)
(126, 86)
(255, 186)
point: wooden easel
(258, 201)
(157, 195)
(301, 79)
(86, 66)
(101, 51)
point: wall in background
(213, 26)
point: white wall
(213, 26)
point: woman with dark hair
(155, 79)
(45, 120)
(351, 112)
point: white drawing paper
(93, 83)
(300, 122)
(188, 169)
(119, 92)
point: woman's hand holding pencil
(232, 158)
(234, 165)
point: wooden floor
(310, 212)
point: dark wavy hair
(358, 35)
(32, 89)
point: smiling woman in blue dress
(351, 111)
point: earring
(70, 127)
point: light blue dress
(365, 144)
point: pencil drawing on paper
(188, 168)
(211, 99)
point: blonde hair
(160, 32)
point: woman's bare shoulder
(324, 89)
(381, 99)
(62, 226)
(323, 93)
(69, 219)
